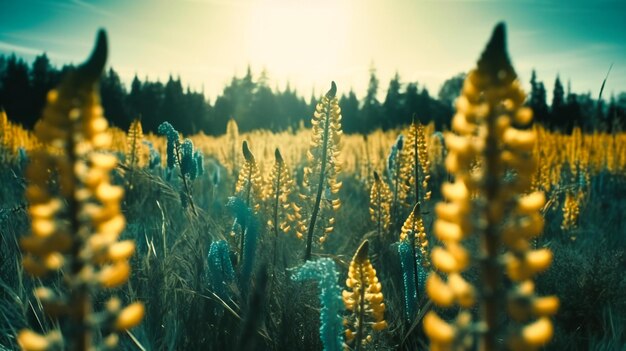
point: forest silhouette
(255, 105)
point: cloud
(93, 8)
(240, 4)
(586, 56)
(80, 5)
(47, 40)
(18, 49)
(22, 50)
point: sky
(308, 43)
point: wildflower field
(496, 233)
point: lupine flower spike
(279, 199)
(232, 161)
(248, 187)
(380, 205)
(324, 272)
(502, 211)
(75, 232)
(415, 164)
(221, 273)
(181, 155)
(399, 187)
(249, 223)
(364, 300)
(134, 145)
(407, 261)
(320, 176)
(413, 231)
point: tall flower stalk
(399, 187)
(324, 272)
(278, 194)
(248, 187)
(74, 229)
(364, 299)
(380, 205)
(490, 156)
(320, 177)
(181, 155)
(416, 165)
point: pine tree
(411, 103)
(113, 99)
(15, 94)
(392, 104)
(351, 118)
(537, 99)
(371, 109)
(558, 117)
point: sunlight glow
(309, 43)
(298, 40)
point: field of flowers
(497, 234)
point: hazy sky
(309, 43)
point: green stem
(276, 204)
(133, 160)
(80, 293)
(185, 182)
(320, 187)
(416, 161)
(361, 315)
(491, 271)
(417, 210)
(248, 190)
(379, 211)
(396, 186)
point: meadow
(497, 234)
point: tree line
(255, 105)
(568, 109)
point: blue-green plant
(180, 154)
(22, 157)
(245, 218)
(187, 161)
(408, 278)
(154, 160)
(216, 177)
(173, 142)
(198, 157)
(422, 274)
(324, 272)
(394, 175)
(392, 158)
(221, 272)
